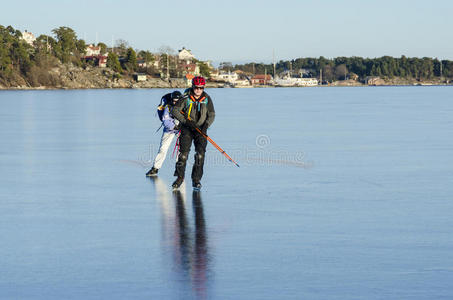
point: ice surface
(343, 193)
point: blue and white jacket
(168, 121)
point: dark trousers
(185, 141)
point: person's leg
(200, 143)
(185, 141)
(165, 142)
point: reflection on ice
(201, 257)
(184, 242)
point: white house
(185, 54)
(93, 53)
(92, 50)
(28, 37)
(228, 77)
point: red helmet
(198, 80)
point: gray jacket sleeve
(176, 112)
(211, 113)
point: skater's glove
(204, 128)
(191, 124)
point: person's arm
(167, 120)
(176, 111)
(210, 114)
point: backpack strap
(191, 100)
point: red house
(261, 79)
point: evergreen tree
(204, 69)
(113, 62)
(66, 43)
(103, 48)
(5, 44)
(131, 60)
(147, 56)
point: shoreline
(67, 77)
(43, 88)
(70, 77)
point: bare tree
(341, 71)
(327, 73)
(120, 43)
(164, 49)
(226, 66)
(121, 46)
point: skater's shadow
(186, 241)
(193, 248)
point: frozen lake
(342, 193)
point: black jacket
(201, 110)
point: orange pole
(217, 146)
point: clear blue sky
(244, 30)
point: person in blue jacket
(171, 129)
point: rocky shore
(71, 77)
(377, 81)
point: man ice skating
(170, 129)
(194, 110)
